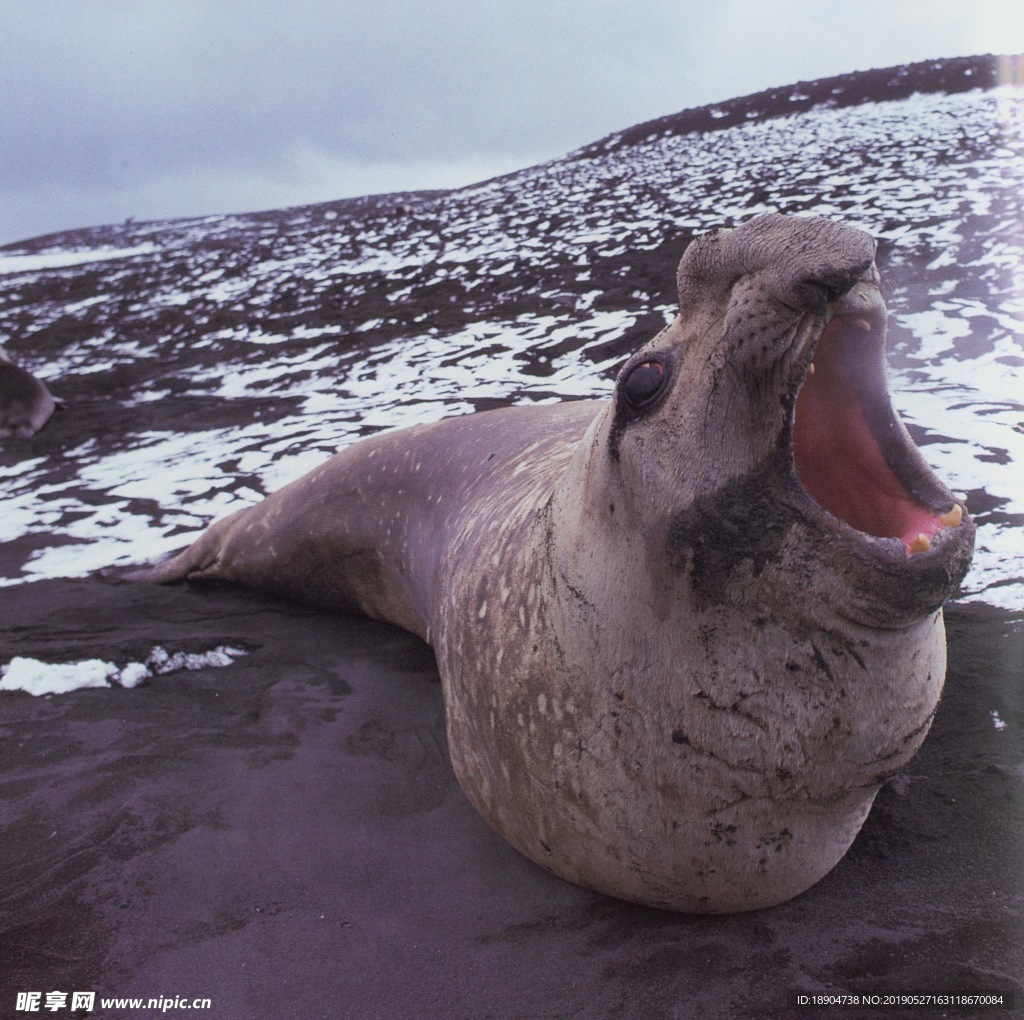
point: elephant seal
(684, 635)
(25, 402)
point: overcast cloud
(160, 108)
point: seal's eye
(643, 384)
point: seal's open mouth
(852, 455)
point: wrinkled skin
(683, 635)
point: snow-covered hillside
(205, 362)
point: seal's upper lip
(851, 454)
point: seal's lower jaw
(855, 460)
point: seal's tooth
(953, 518)
(810, 368)
(920, 544)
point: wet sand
(285, 837)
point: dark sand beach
(285, 837)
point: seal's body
(684, 635)
(25, 402)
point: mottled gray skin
(25, 403)
(668, 674)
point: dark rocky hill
(297, 330)
(929, 77)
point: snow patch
(44, 678)
(60, 259)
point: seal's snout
(805, 262)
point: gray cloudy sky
(161, 108)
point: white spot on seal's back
(482, 612)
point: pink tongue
(839, 463)
(920, 522)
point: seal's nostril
(818, 290)
(812, 296)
